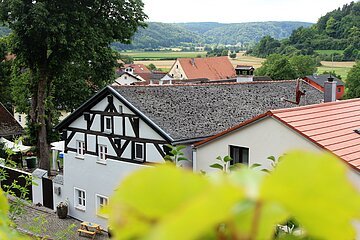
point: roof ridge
(210, 83)
(314, 105)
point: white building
(124, 128)
(332, 127)
(129, 78)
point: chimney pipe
(330, 90)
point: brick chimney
(330, 90)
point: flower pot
(62, 211)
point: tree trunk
(42, 134)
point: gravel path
(41, 221)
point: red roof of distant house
(329, 125)
(141, 70)
(213, 68)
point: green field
(342, 71)
(166, 55)
(329, 52)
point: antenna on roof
(298, 93)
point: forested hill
(160, 35)
(337, 30)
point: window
(101, 201)
(120, 109)
(125, 77)
(19, 118)
(139, 151)
(177, 66)
(239, 155)
(79, 199)
(80, 148)
(108, 124)
(102, 152)
(339, 89)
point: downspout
(194, 158)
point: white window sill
(103, 162)
(102, 216)
(80, 208)
(81, 157)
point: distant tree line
(337, 30)
(280, 67)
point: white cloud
(228, 11)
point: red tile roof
(141, 70)
(329, 125)
(213, 68)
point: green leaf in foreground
(159, 203)
(314, 188)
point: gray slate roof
(321, 79)
(8, 125)
(196, 111)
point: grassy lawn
(341, 68)
(329, 52)
(163, 55)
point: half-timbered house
(124, 128)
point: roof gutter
(190, 140)
(116, 93)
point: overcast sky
(235, 11)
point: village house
(318, 81)
(9, 127)
(212, 68)
(124, 128)
(332, 126)
(127, 78)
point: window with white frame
(80, 148)
(102, 152)
(79, 199)
(139, 151)
(101, 201)
(108, 124)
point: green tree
(49, 35)
(353, 82)
(303, 65)
(266, 46)
(151, 67)
(278, 67)
(5, 70)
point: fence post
(37, 188)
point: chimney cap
(330, 78)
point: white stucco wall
(94, 178)
(176, 71)
(264, 138)
(101, 178)
(21, 117)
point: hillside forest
(335, 37)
